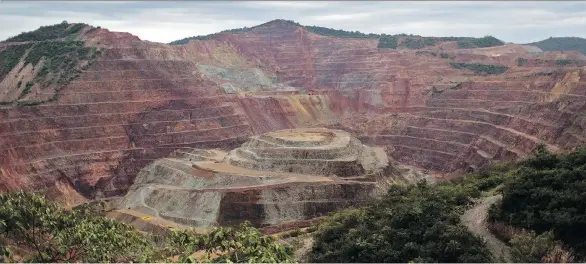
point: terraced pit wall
(140, 100)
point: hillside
(385, 41)
(561, 44)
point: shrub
(487, 41)
(479, 68)
(54, 235)
(413, 43)
(48, 32)
(564, 62)
(10, 57)
(411, 223)
(387, 41)
(546, 194)
(528, 247)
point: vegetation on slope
(48, 233)
(10, 57)
(542, 217)
(385, 41)
(62, 61)
(51, 32)
(547, 194)
(418, 223)
(561, 44)
(543, 208)
(479, 68)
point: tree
(53, 235)
(411, 223)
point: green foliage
(55, 235)
(227, 244)
(82, 235)
(426, 52)
(564, 62)
(479, 68)
(528, 247)
(26, 90)
(547, 193)
(413, 43)
(561, 44)
(339, 33)
(10, 57)
(521, 61)
(387, 41)
(19, 84)
(52, 32)
(444, 56)
(487, 41)
(61, 64)
(417, 223)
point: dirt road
(475, 219)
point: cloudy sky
(519, 22)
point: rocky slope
(439, 108)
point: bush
(387, 41)
(527, 247)
(479, 68)
(521, 61)
(564, 62)
(82, 235)
(411, 223)
(413, 43)
(10, 57)
(54, 235)
(546, 194)
(484, 42)
(48, 32)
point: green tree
(54, 235)
(547, 193)
(528, 247)
(411, 223)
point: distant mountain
(561, 43)
(386, 41)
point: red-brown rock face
(141, 100)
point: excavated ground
(203, 188)
(139, 101)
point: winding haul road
(475, 219)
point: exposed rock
(282, 176)
(140, 100)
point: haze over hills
(282, 123)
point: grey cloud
(519, 22)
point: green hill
(561, 43)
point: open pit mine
(286, 176)
(274, 124)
